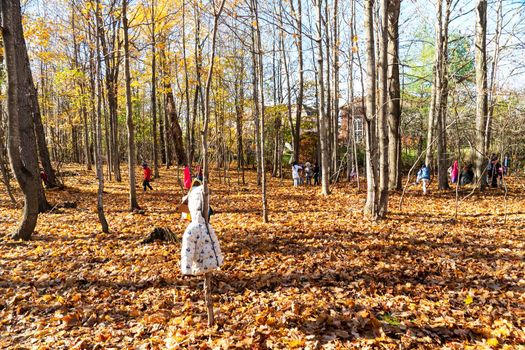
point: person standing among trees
(295, 174)
(308, 173)
(187, 177)
(317, 174)
(423, 175)
(494, 171)
(466, 176)
(147, 177)
(454, 172)
(506, 163)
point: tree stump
(160, 234)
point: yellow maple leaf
(492, 342)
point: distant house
(352, 115)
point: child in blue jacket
(423, 175)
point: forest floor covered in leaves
(316, 276)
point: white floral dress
(200, 252)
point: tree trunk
(300, 92)
(323, 137)
(133, 204)
(382, 118)
(43, 152)
(198, 68)
(256, 114)
(167, 131)
(186, 89)
(154, 92)
(335, 72)
(111, 77)
(205, 162)
(4, 161)
(429, 156)
(98, 143)
(295, 135)
(493, 76)
(260, 109)
(161, 111)
(277, 128)
(22, 147)
(371, 205)
(441, 101)
(176, 131)
(394, 101)
(481, 86)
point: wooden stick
(208, 298)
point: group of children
(495, 172)
(303, 174)
(187, 176)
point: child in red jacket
(147, 176)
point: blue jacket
(423, 173)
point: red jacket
(147, 174)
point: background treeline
(369, 86)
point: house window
(358, 129)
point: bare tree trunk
(300, 92)
(206, 204)
(394, 101)
(323, 138)
(259, 108)
(431, 116)
(22, 147)
(493, 76)
(133, 204)
(111, 77)
(161, 115)
(239, 112)
(87, 153)
(335, 72)
(383, 113)
(295, 135)
(98, 143)
(189, 155)
(176, 131)
(4, 161)
(371, 205)
(481, 86)
(442, 102)
(256, 115)
(154, 91)
(277, 127)
(198, 68)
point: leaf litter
(317, 276)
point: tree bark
(441, 100)
(493, 75)
(383, 113)
(205, 162)
(154, 92)
(335, 72)
(98, 143)
(371, 205)
(176, 131)
(133, 204)
(256, 113)
(481, 86)
(22, 147)
(186, 89)
(394, 100)
(300, 92)
(260, 108)
(323, 137)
